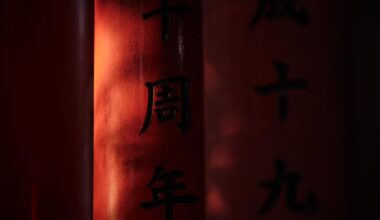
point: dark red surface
(46, 95)
(46, 98)
(365, 47)
(128, 53)
(243, 132)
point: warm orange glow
(106, 176)
(128, 54)
(114, 105)
(105, 54)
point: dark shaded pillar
(46, 107)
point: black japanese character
(169, 102)
(164, 195)
(164, 12)
(282, 87)
(292, 181)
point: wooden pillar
(148, 109)
(46, 98)
(278, 108)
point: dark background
(46, 113)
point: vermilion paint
(130, 52)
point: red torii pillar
(46, 109)
(130, 51)
(249, 134)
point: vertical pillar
(46, 95)
(277, 75)
(364, 59)
(148, 110)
